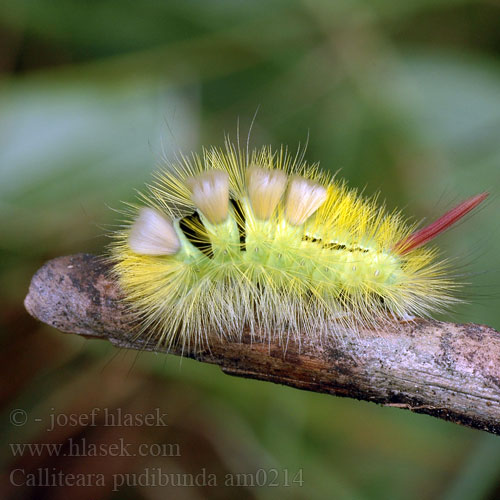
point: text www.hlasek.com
(83, 448)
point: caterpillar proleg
(232, 241)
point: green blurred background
(404, 97)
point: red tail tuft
(422, 236)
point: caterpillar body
(233, 241)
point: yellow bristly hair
(317, 259)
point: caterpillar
(231, 241)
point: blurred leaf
(67, 150)
(478, 477)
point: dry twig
(446, 370)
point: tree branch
(446, 370)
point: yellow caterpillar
(230, 241)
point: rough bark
(446, 370)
